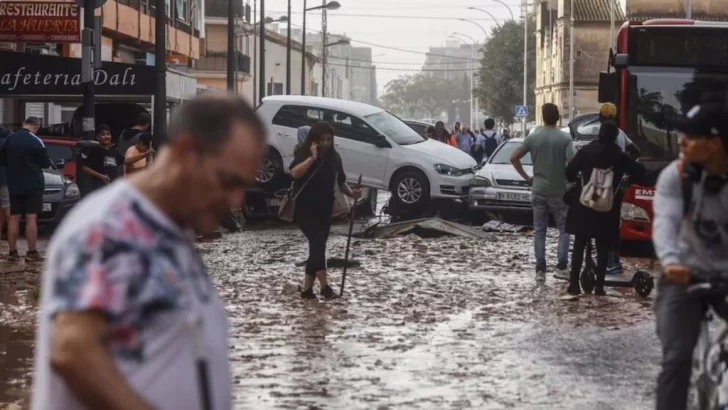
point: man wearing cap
(690, 234)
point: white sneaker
(540, 276)
(562, 272)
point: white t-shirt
(623, 141)
(119, 254)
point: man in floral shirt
(127, 307)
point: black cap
(704, 120)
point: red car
(63, 152)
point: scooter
(641, 281)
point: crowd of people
(129, 317)
(481, 144)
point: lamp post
(485, 33)
(525, 60)
(495, 19)
(332, 5)
(472, 84)
(341, 42)
(261, 55)
(508, 7)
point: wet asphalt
(440, 323)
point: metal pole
(689, 9)
(572, 46)
(303, 52)
(255, 55)
(87, 72)
(612, 19)
(472, 74)
(231, 45)
(261, 77)
(288, 53)
(160, 52)
(525, 61)
(325, 52)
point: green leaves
(422, 92)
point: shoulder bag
(287, 210)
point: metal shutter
(35, 110)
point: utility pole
(87, 72)
(689, 9)
(572, 46)
(303, 51)
(288, 51)
(261, 77)
(612, 19)
(231, 57)
(525, 62)
(255, 54)
(325, 50)
(160, 64)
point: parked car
(419, 126)
(497, 187)
(63, 152)
(59, 196)
(373, 143)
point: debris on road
(500, 226)
(424, 228)
(336, 263)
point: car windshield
(394, 128)
(503, 155)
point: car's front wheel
(271, 169)
(411, 189)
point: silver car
(497, 187)
(59, 196)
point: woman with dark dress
(585, 223)
(317, 169)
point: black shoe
(13, 256)
(328, 293)
(574, 290)
(307, 294)
(599, 291)
(34, 256)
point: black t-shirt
(106, 161)
(319, 192)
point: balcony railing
(147, 7)
(218, 62)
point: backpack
(689, 175)
(598, 193)
(491, 144)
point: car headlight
(480, 182)
(634, 213)
(443, 169)
(72, 191)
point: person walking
(317, 169)
(25, 157)
(127, 308)
(551, 149)
(442, 135)
(491, 139)
(605, 157)
(464, 139)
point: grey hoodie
(698, 240)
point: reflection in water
(16, 354)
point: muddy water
(435, 324)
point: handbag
(341, 201)
(287, 209)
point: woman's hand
(314, 150)
(355, 193)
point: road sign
(521, 111)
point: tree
(422, 91)
(398, 98)
(500, 79)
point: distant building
(451, 61)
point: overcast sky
(413, 25)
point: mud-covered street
(441, 323)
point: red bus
(662, 68)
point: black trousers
(315, 223)
(577, 258)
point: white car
(373, 143)
(497, 187)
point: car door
(286, 123)
(354, 141)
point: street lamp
(331, 5)
(488, 13)
(508, 7)
(341, 42)
(485, 33)
(261, 85)
(472, 75)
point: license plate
(273, 202)
(516, 197)
(46, 207)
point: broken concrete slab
(500, 226)
(424, 228)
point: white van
(372, 142)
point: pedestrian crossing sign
(521, 111)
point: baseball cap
(608, 110)
(704, 120)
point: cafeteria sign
(40, 22)
(27, 74)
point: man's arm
(668, 210)
(519, 153)
(41, 154)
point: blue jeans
(542, 206)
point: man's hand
(529, 181)
(355, 193)
(106, 179)
(677, 274)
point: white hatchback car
(373, 143)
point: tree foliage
(422, 92)
(500, 79)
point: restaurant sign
(28, 74)
(40, 22)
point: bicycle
(709, 377)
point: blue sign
(522, 111)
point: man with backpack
(690, 235)
(491, 139)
